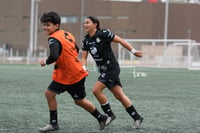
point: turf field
(169, 100)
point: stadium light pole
(81, 19)
(36, 26)
(30, 50)
(33, 24)
(166, 22)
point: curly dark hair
(52, 17)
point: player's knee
(118, 97)
(48, 94)
(95, 91)
(78, 102)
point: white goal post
(170, 53)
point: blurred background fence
(170, 53)
(15, 56)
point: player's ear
(57, 26)
(95, 25)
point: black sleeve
(107, 35)
(55, 50)
(84, 47)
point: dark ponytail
(95, 21)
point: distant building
(137, 20)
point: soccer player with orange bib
(68, 74)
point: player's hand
(138, 54)
(85, 68)
(42, 63)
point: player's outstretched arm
(125, 44)
(138, 53)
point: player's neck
(92, 32)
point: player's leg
(119, 94)
(52, 104)
(88, 106)
(126, 102)
(50, 93)
(101, 97)
(77, 91)
(98, 92)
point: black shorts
(77, 90)
(110, 78)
